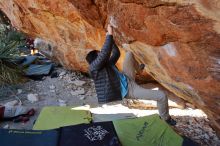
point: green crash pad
(146, 131)
(56, 117)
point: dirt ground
(75, 89)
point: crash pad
(93, 134)
(2, 109)
(29, 60)
(146, 131)
(56, 117)
(15, 137)
(37, 70)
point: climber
(112, 85)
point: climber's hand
(110, 29)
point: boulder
(179, 40)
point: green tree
(10, 40)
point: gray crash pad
(29, 60)
(37, 70)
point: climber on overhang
(112, 85)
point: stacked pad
(150, 130)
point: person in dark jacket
(112, 85)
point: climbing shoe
(171, 122)
(30, 113)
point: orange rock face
(179, 40)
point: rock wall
(179, 40)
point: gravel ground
(75, 89)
